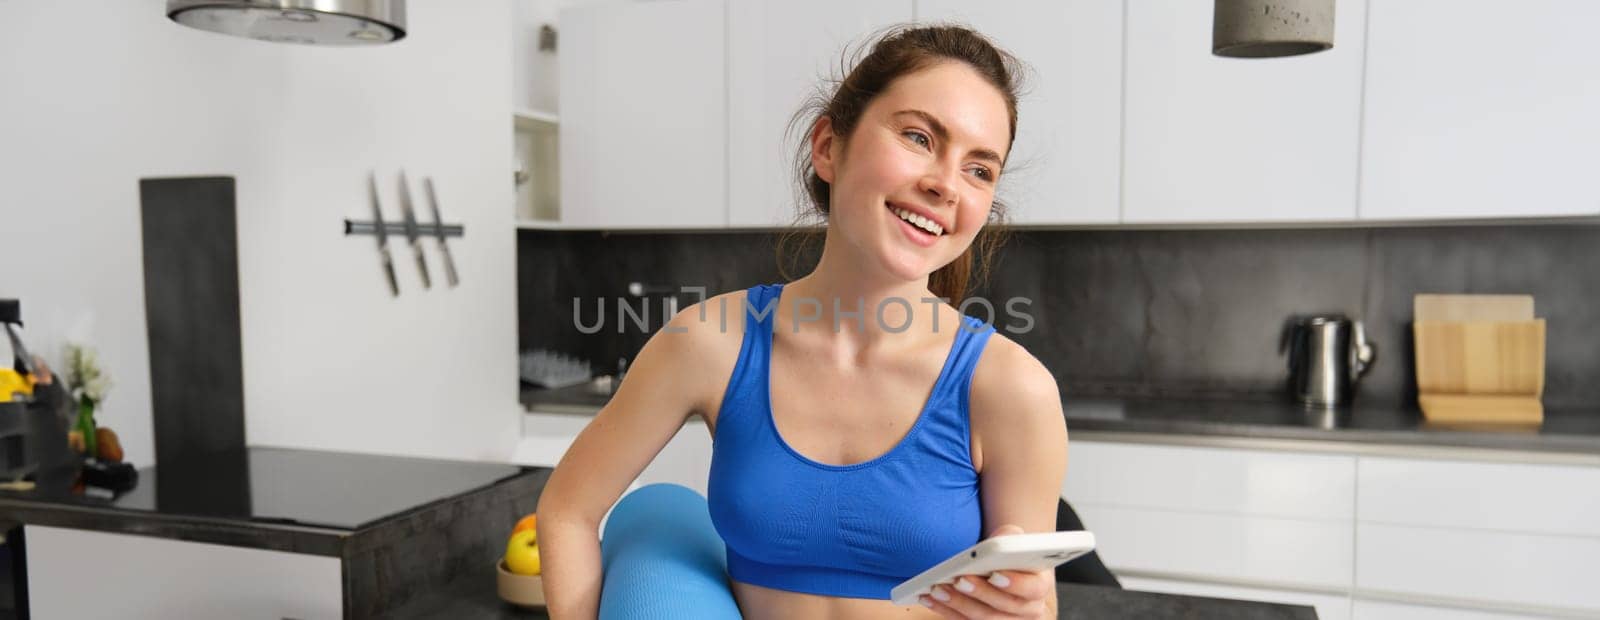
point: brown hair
(900, 51)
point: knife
(383, 236)
(411, 230)
(438, 229)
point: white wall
(95, 95)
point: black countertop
(379, 515)
(577, 397)
(475, 599)
(1575, 431)
(1568, 431)
(304, 501)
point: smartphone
(1018, 552)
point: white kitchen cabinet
(534, 86)
(536, 152)
(546, 435)
(1383, 610)
(685, 460)
(780, 52)
(1513, 534)
(86, 574)
(1218, 140)
(1481, 108)
(1272, 552)
(1277, 519)
(1211, 480)
(643, 115)
(1557, 500)
(1480, 567)
(1064, 167)
(1356, 535)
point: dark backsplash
(1185, 313)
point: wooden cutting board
(1433, 307)
(1479, 358)
(1481, 410)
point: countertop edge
(292, 538)
(561, 408)
(1550, 449)
(1348, 448)
(263, 534)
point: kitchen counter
(366, 510)
(475, 599)
(369, 511)
(1574, 432)
(576, 399)
(1566, 435)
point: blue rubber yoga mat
(662, 558)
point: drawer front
(1224, 480)
(684, 460)
(546, 437)
(553, 424)
(1480, 566)
(1546, 499)
(1268, 550)
(1328, 606)
(85, 574)
(1377, 610)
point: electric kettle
(1328, 353)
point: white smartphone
(1018, 552)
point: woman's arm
(1020, 446)
(663, 387)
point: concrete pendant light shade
(1271, 28)
(308, 22)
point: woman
(836, 470)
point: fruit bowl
(525, 590)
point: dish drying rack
(551, 369)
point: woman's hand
(1005, 594)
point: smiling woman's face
(932, 144)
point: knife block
(1479, 359)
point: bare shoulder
(702, 343)
(1013, 394)
(708, 321)
(1019, 437)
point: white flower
(96, 388)
(84, 375)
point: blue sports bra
(791, 523)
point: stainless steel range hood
(310, 22)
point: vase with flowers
(89, 386)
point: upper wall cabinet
(1211, 139)
(1064, 166)
(643, 123)
(1481, 108)
(780, 53)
